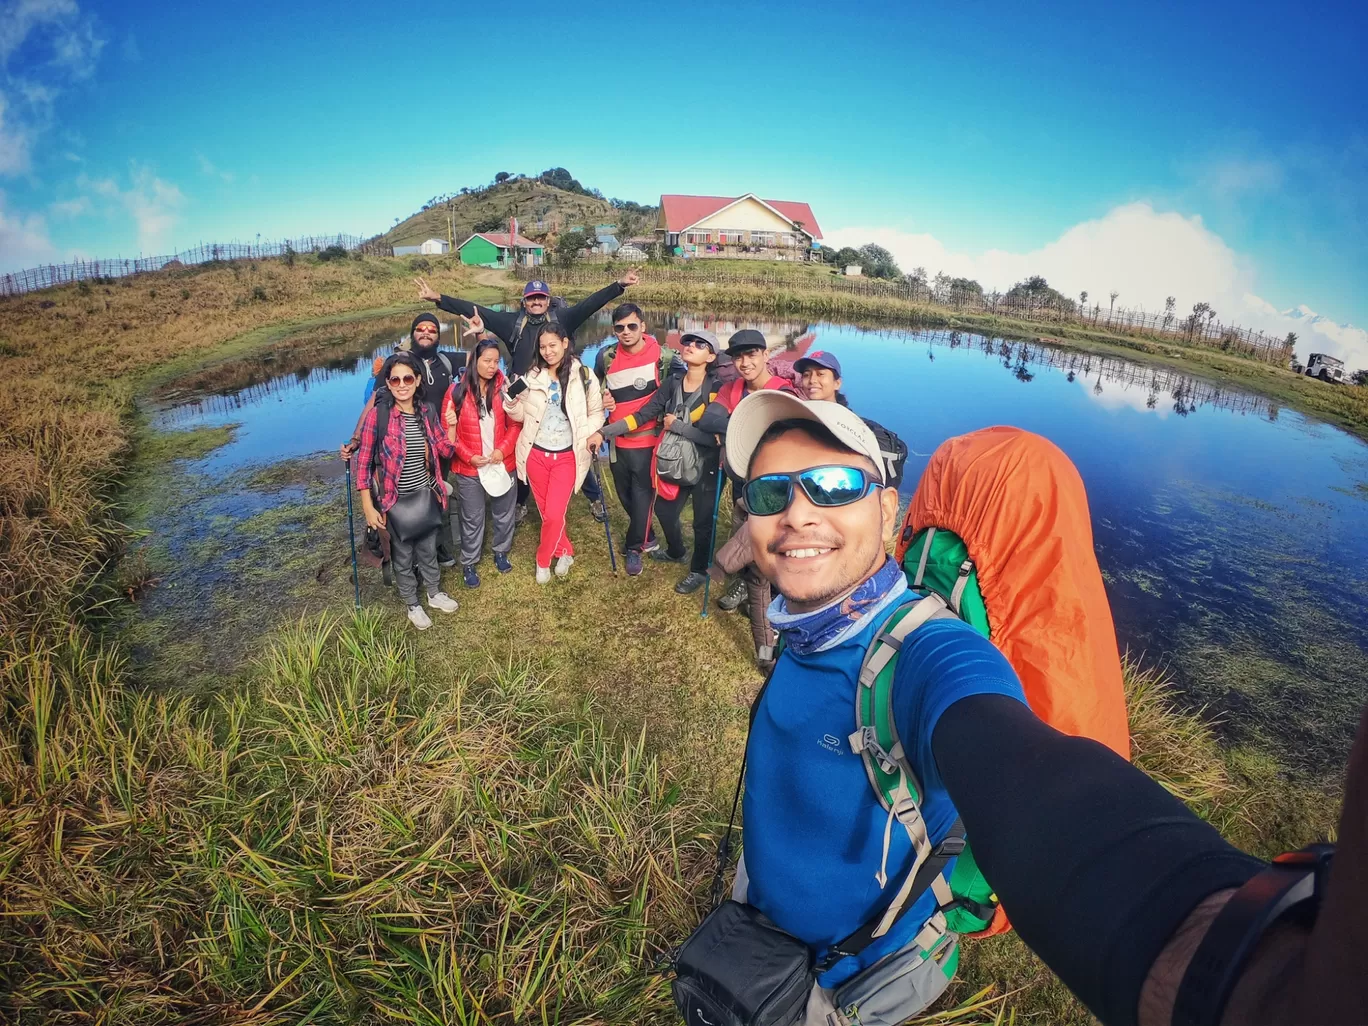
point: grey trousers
(422, 555)
(472, 498)
(447, 536)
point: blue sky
(1234, 135)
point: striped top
(415, 474)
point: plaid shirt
(390, 453)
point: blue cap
(820, 358)
(536, 288)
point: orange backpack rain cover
(1019, 505)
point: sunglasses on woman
(402, 379)
(695, 343)
(769, 494)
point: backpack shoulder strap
(445, 363)
(879, 746)
(604, 360)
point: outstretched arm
(1113, 881)
(586, 308)
(499, 322)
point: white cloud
(21, 17)
(72, 208)
(1235, 175)
(154, 204)
(14, 142)
(208, 167)
(38, 29)
(1145, 255)
(24, 240)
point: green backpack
(943, 577)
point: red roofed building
(738, 226)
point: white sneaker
(543, 575)
(563, 565)
(419, 618)
(444, 602)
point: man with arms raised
(1109, 878)
(520, 330)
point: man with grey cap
(748, 350)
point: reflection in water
(1218, 519)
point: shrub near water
(340, 840)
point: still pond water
(1230, 531)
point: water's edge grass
(358, 827)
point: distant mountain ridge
(546, 205)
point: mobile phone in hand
(517, 388)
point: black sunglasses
(769, 494)
(618, 328)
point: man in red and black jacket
(749, 352)
(631, 369)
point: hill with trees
(546, 205)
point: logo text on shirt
(831, 743)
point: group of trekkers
(515, 414)
(977, 665)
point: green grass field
(349, 822)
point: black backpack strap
(951, 844)
(724, 848)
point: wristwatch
(1290, 888)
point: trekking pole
(712, 543)
(351, 531)
(598, 480)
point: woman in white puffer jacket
(561, 412)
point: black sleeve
(500, 322)
(579, 313)
(1095, 864)
(714, 419)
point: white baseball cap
(755, 413)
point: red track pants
(552, 477)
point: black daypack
(893, 450)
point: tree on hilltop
(502, 177)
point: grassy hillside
(527, 199)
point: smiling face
(818, 554)
(552, 348)
(425, 334)
(536, 305)
(403, 382)
(820, 383)
(750, 365)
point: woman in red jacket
(484, 437)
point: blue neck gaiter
(827, 627)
